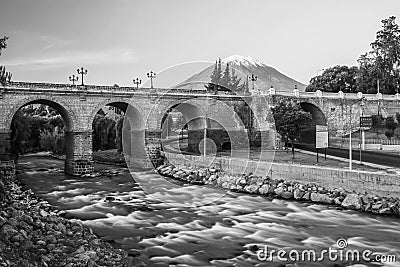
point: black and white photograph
(199, 133)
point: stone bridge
(241, 120)
(145, 109)
(340, 112)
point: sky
(119, 40)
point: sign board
(366, 121)
(321, 136)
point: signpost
(321, 138)
(365, 122)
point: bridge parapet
(328, 95)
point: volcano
(244, 67)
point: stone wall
(358, 181)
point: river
(228, 232)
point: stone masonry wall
(358, 181)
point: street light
(137, 81)
(82, 72)
(350, 143)
(73, 79)
(151, 75)
(253, 79)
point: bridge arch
(193, 123)
(318, 118)
(66, 116)
(65, 111)
(132, 139)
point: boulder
(298, 194)
(306, 196)
(287, 195)
(251, 188)
(337, 201)
(279, 191)
(321, 198)
(264, 189)
(352, 201)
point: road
(376, 157)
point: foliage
(379, 67)
(390, 125)
(383, 62)
(4, 75)
(3, 43)
(103, 132)
(335, 79)
(290, 119)
(41, 128)
(226, 80)
(118, 137)
(398, 117)
(389, 133)
(215, 77)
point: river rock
(298, 194)
(287, 195)
(377, 206)
(251, 188)
(385, 211)
(264, 189)
(321, 198)
(337, 201)
(352, 201)
(306, 196)
(279, 191)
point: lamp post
(253, 79)
(82, 72)
(350, 127)
(151, 75)
(205, 130)
(137, 81)
(73, 79)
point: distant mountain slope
(245, 66)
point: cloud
(109, 56)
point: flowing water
(228, 232)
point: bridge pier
(153, 146)
(79, 152)
(7, 164)
(5, 145)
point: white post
(205, 138)
(363, 140)
(350, 151)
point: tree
(216, 76)
(383, 62)
(118, 134)
(290, 119)
(4, 75)
(235, 81)
(335, 79)
(226, 81)
(390, 125)
(226, 78)
(376, 123)
(3, 43)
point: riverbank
(288, 190)
(34, 234)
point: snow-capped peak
(236, 59)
